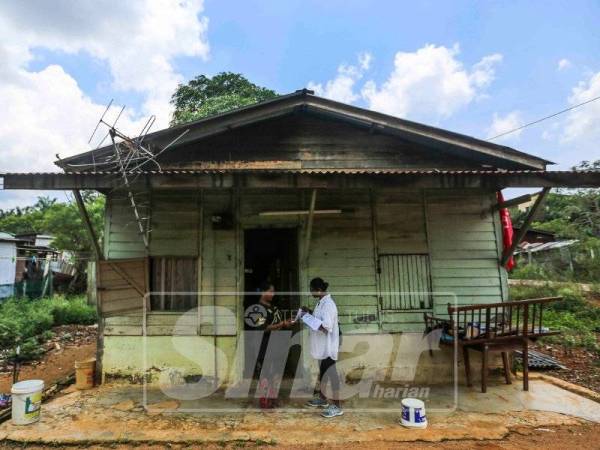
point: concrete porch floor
(114, 413)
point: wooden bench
(500, 327)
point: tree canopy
(204, 96)
(61, 220)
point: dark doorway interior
(271, 255)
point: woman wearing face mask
(324, 347)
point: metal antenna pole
(130, 194)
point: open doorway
(271, 254)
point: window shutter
(122, 285)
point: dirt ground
(71, 343)
(582, 366)
(551, 438)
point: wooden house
(399, 217)
(8, 264)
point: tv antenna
(127, 159)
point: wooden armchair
(499, 327)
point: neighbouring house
(533, 236)
(400, 218)
(31, 266)
(543, 246)
(33, 251)
(37, 241)
(8, 264)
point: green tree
(64, 222)
(61, 220)
(205, 96)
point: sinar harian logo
(255, 315)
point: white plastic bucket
(413, 413)
(26, 401)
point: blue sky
(475, 67)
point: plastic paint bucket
(84, 373)
(413, 413)
(26, 401)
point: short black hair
(265, 285)
(318, 284)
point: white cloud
(564, 64)
(430, 83)
(45, 112)
(581, 125)
(341, 88)
(138, 39)
(503, 124)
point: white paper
(312, 322)
(299, 315)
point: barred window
(405, 281)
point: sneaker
(332, 411)
(317, 402)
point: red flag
(507, 230)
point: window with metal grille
(405, 281)
(174, 283)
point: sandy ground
(55, 365)
(68, 344)
(521, 431)
(114, 414)
(547, 438)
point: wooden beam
(88, 224)
(514, 201)
(288, 180)
(524, 227)
(309, 224)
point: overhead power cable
(545, 118)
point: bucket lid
(413, 403)
(27, 386)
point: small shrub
(30, 349)
(531, 271)
(22, 319)
(73, 311)
(522, 292)
(574, 316)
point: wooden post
(375, 238)
(309, 225)
(523, 230)
(98, 253)
(88, 224)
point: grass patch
(574, 315)
(29, 321)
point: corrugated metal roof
(539, 360)
(7, 237)
(323, 171)
(545, 246)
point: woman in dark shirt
(272, 320)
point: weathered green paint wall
(186, 355)
(454, 227)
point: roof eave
(303, 99)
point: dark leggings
(328, 375)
